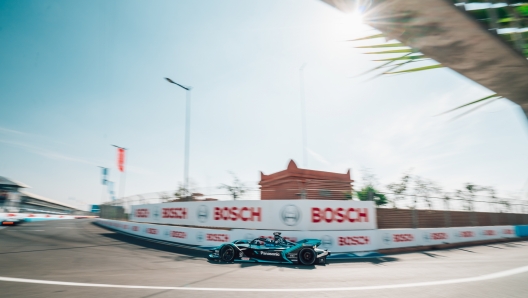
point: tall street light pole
(303, 115)
(187, 132)
(303, 112)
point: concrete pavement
(81, 252)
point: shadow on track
(157, 246)
(195, 253)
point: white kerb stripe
(380, 287)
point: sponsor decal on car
(270, 253)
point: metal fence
(451, 201)
(447, 201)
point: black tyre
(307, 256)
(227, 253)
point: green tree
(369, 193)
(369, 190)
(424, 188)
(237, 189)
(399, 189)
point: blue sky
(78, 76)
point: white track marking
(380, 287)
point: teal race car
(265, 250)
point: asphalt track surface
(79, 259)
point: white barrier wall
(278, 214)
(335, 241)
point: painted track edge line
(495, 275)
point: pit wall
(335, 241)
(38, 217)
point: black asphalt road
(81, 252)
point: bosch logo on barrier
(203, 213)
(339, 215)
(142, 213)
(326, 242)
(135, 228)
(290, 215)
(508, 231)
(466, 234)
(489, 232)
(353, 240)
(235, 213)
(436, 236)
(177, 213)
(178, 234)
(151, 231)
(218, 237)
(403, 237)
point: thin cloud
(318, 157)
(11, 131)
(47, 153)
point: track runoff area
(76, 258)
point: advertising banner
(466, 234)
(394, 238)
(437, 236)
(335, 241)
(277, 215)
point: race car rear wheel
(227, 253)
(307, 256)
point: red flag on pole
(121, 159)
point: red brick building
(296, 183)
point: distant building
(13, 197)
(295, 183)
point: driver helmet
(277, 237)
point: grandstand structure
(14, 198)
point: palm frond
(471, 103)
(417, 69)
(393, 51)
(368, 37)
(391, 45)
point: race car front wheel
(227, 254)
(307, 256)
